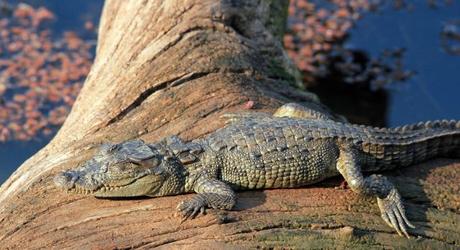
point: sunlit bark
(173, 67)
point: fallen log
(173, 67)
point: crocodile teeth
(81, 190)
(109, 188)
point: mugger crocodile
(293, 148)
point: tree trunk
(173, 67)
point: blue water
(70, 16)
(13, 153)
(433, 93)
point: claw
(185, 217)
(181, 206)
(402, 212)
(386, 219)
(401, 223)
(203, 210)
(393, 213)
(182, 220)
(394, 223)
(195, 212)
(191, 209)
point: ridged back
(387, 148)
(382, 148)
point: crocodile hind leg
(239, 116)
(388, 198)
(295, 110)
(210, 193)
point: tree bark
(173, 67)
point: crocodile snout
(66, 180)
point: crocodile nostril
(66, 179)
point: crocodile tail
(437, 124)
(433, 139)
(406, 145)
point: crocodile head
(131, 168)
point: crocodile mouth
(77, 182)
(77, 189)
(74, 182)
(147, 185)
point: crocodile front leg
(210, 193)
(388, 197)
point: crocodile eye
(153, 162)
(150, 162)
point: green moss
(277, 20)
(278, 71)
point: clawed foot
(189, 209)
(393, 212)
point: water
(433, 93)
(70, 16)
(13, 153)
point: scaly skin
(258, 151)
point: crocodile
(293, 148)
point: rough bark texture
(172, 67)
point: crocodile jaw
(144, 186)
(77, 182)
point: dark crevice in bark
(234, 22)
(174, 42)
(145, 94)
